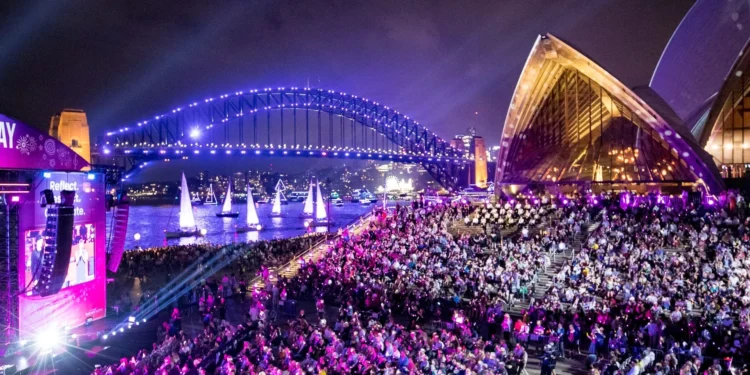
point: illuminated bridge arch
(570, 121)
(301, 122)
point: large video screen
(82, 266)
(84, 293)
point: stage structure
(40, 178)
(571, 122)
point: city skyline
(186, 53)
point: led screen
(81, 267)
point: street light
(328, 203)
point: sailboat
(226, 208)
(252, 223)
(187, 220)
(278, 199)
(196, 201)
(321, 216)
(211, 196)
(308, 211)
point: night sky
(439, 62)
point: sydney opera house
(572, 123)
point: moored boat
(187, 219)
(277, 200)
(308, 210)
(252, 223)
(226, 208)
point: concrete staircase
(545, 280)
(313, 254)
(290, 269)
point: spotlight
(137, 236)
(131, 319)
(48, 339)
(258, 227)
(114, 333)
(195, 133)
(23, 343)
(122, 329)
(144, 320)
(105, 337)
(74, 336)
(203, 232)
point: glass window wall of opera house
(726, 132)
(571, 123)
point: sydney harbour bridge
(286, 122)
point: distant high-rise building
(458, 144)
(238, 182)
(463, 142)
(72, 128)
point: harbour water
(150, 222)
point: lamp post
(328, 204)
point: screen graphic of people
(36, 255)
(81, 258)
(81, 266)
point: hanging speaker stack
(58, 241)
(119, 231)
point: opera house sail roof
(699, 54)
(570, 121)
(726, 133)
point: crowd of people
(654, 288)
(155, 267)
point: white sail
(187, 220)
(252, 214)
(210, 196)
(320, 209)
(308, 210)
(227, 207)
(280, 188)
(276, 210)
